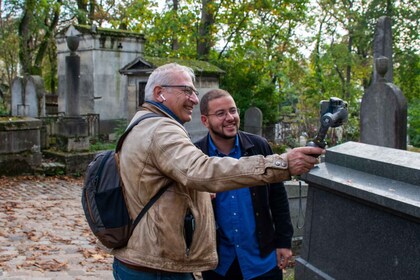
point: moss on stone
(199, 66)
(87, 29)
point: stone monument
(253, 121)
(28, 97)
(382, 46)
(383, 111)
(72, 128)
(362, 215)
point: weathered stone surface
(363, 215)
(253, 121)
(383, 111)
(20, 145)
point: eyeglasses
(221, 115)
(185, 89)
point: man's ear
(156, 93)
(205, 120)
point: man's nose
(230, 116)
(194, 98)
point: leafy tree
(414, 122)
(249, 87)
(36, 28)
(206, 30)
(9, 42)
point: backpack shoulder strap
(127, 131)
(147, 206)
(118, 148)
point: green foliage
(414, 122)
(101, 146)
(9, 44)
(251, 89)
(120, 127)
(407, 74)
(257, 43)
(97, 145)
(4, 111)
(278, 149)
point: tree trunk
(92, 5)
(349, 51)
(205, 38)
(175, 43)
(318, 68)
(348, 68)
(25, 36)
(46, 41)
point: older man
(159, 153)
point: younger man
(254, 230)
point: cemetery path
(43, 231)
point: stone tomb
(362, 215)
(20, 147)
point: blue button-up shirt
(236, 228)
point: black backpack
(103, 198)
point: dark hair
(211, 95)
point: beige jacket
(158, 152)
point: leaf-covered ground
(44, 233)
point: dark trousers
(234, 273)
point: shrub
(414, 122)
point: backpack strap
(146, 207)
(118, 148)
(136, 122)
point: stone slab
(362, 215)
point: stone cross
(253, 121)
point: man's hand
(283, 257)
(303, 159)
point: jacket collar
(244, 142)
(163, 108)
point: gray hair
(163, 75)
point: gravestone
(362, 215)
(28, 97)
(383, 111)
(253, 121)
(17, 103)
(35, 96)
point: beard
(222, 135)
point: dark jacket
(271, 205)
